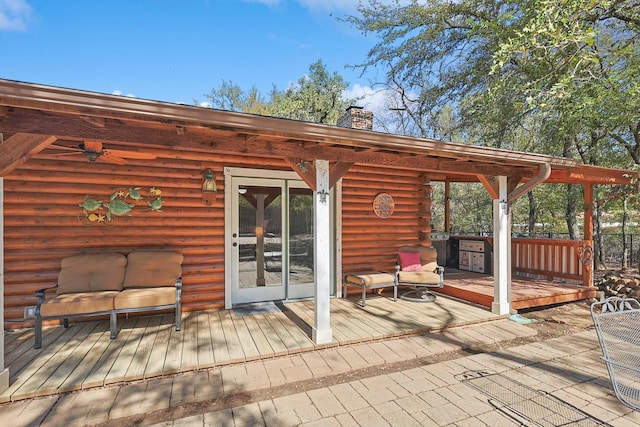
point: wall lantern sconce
(209, 188)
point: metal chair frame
(617, 322)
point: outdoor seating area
(108, 283)
(417, 267)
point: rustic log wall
(368, 241)
(44, 222)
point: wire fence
(614, 255)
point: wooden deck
(83, 356)
(525, 292)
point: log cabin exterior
(340, 171)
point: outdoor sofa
(110, 283)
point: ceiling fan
(94, 151)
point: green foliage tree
(316, 97)
(231, 97)
(553, 76)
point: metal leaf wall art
(122, 202)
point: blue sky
(177, 50)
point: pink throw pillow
(409, 259)
(414, 267)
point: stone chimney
(356, 118)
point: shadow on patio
(83, 356)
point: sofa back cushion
(147, 269)
(92, 272)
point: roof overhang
(33, 116)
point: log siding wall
(43, 220)
(370, 242)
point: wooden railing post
(586, 257)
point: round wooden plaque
(383, 205)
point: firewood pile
(619, 284)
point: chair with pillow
(417, 267)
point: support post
(501, 250)
(587, 256)
(321, 331)
(4, 372)
(447, 207)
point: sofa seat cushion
(371, 279)
(100, 271)
(145, 297)
(151, 269)
(78, 303)
(424, 277)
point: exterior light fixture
(209, 184)
(209, 188)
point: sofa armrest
(41, 293)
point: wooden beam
(18, 148)
(337, 171)
(304, 169)
(592, 174)
(487, 181)
(512, 183)
(163, 135)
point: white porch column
(4, 372)
(321, 331)
(501, 250)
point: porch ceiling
(34, 116)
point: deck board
(220, 350)
(279, 347)
(129, 338)
(30, 381)
(249, 347)
(525, 292)
(261, 342)
(67, 360)
(91, 350)
(83, 356)
(234, 345)
(140, 359)
(189, 360)
(173, 358)
(160, 348)
(204, 346)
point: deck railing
(550, 259)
